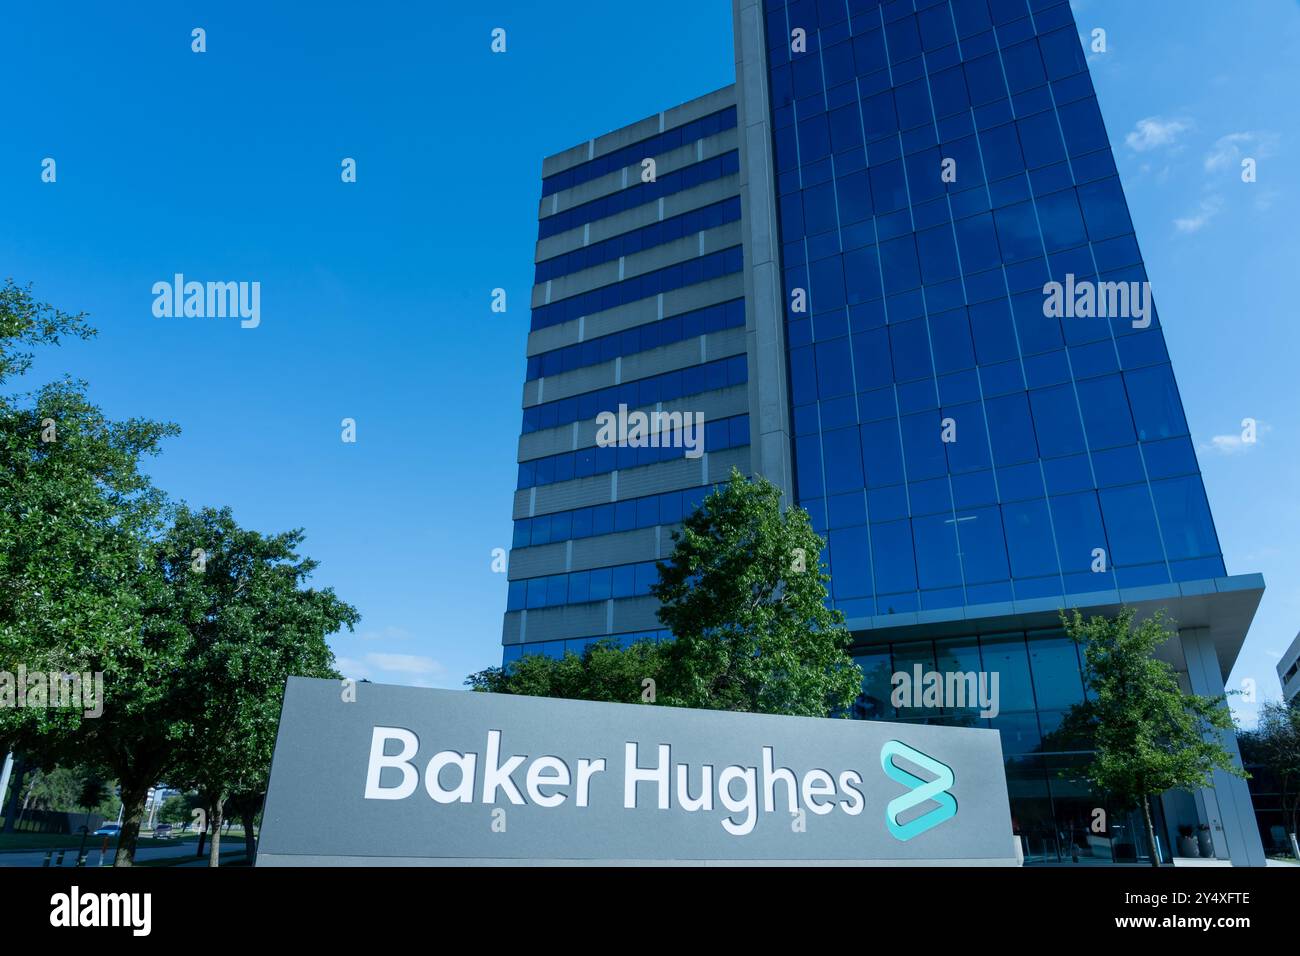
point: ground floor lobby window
(1054, 810)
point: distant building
(1288, 671)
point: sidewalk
(17, 858)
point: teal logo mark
(921, 790)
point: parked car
(109, 829)
(162, 831)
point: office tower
(979, 450)
(1288, 672)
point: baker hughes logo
(653, 779)
(922, 791)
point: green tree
(745, 595)
(1275, 745)
(93, 579)
(179, 808)
(1148, 736)
(76, 514)
(250, 623)
(246, 805)
(64, 788)
(603, 671)
(24, 323)
(93, 793)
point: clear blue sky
(375, 295)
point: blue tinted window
(891, 554)
(1009, 657)
(1001, 149)
(1156, 407)
(1079, 531)
(984, 80)
(843, 460)
(1018, 232)
(883, 453)
(1185, 518)
(923, 446)
(725, 165)
(1105, 412)
(851, 556)
(1083, 126)
(983, 545)
(1029, 538)
(1130, 525)
(937, 563)
(1058, 681)
(1104, 209)
(1056, 421)
(1011, 429)
(633, 154)
(1061, 220)
(624, 581)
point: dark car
(109, 829)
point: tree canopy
(193, 621)
(1148, 736)
(744, 594)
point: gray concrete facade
(635, 614)
(1288, 671)
(770, 449)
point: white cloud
(1229, 150)
(1233, 443)
(1153, 132)
(1265, 198)
(410, 669)
(1226, 444)
(350, 667)
(1208, 208)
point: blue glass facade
(1067, 450)
(964, 450)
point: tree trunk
(214, 847)
(16, 775)
(27, 800)
(133, 798)
(1151, 831)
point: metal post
(4, 775)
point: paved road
(37, 857)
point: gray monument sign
(368, 774)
